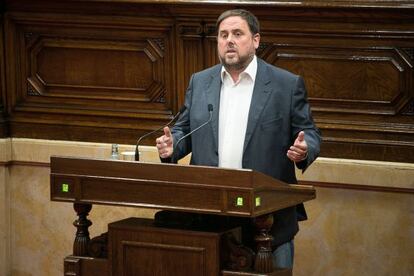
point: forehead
(233, 23)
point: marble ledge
(5, 150)
(40, 151)
(342, 171)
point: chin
(232, 61)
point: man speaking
(258, 118)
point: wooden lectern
(144, 247)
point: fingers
(300, 142)
(165, 139)
(301, 136)
(164, 150)
(296, 154)
(299, 150)
(165, 144)
(167, 132)
(296, 151)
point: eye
(223, 35)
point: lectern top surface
(162, 172)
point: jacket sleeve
(301, 118)
(182, 127)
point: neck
(235, 74)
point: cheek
(246, 45)
(221, 46)
(251, 47)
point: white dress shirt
(235, 98)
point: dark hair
(251, 20)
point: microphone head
(182, 109)
(210, 107)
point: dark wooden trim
(269, 3)
(360, 187)
(24, 163)
(402, 152)
(4, 128)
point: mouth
(231, 51)
(231, 54)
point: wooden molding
(110, 71)
(367, 188)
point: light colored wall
(349, 232)
(358, 232)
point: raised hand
(165, 143)
(299, 150)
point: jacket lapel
(213, 97)
(261, 92)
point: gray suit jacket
(278, 112)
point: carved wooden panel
(192, 259)
(210, 45)
(72, 70)
(141, 248)
(359, 79)
(79, 70)
(366, 80)
(111, 71)
(189, 53)
(3, 112)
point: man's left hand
(299, 150)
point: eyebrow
(235, 30)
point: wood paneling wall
(3, 122)
(110, 71)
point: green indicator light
(258, 201)
(239, 201)
(65, 187)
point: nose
(230, 41)
(230, 38)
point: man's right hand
(165, 144)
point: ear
(256, 40)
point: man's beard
(240, 65)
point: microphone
(182, 109)
(210, 110)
